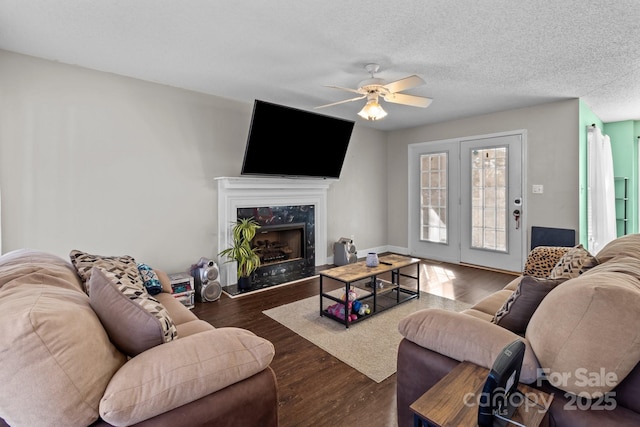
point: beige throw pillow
(134, 320)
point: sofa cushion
(182, 371)
(619, 264)
(512, 285)
(43, 268)
(56, 357)
(165, 281)
(542, 259)
(492, 302)
(576, 261)
(177, 311)
(84, 262)
(523, 302)
(628, 245)
(588, 327)
(134, 320)
(463, 337)
(193, 327)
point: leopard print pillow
(542, 259)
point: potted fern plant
(243, 232)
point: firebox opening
(280, 243)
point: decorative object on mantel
(243, 231)
(372, 259)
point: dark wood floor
(315, 388)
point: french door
(466, 203)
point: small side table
(453, 401)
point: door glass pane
(433, 197)
(488, 198)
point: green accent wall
(624, 147)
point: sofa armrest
(463, 337)
(181, 371)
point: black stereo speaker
(205, 279)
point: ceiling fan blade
(342, 102)
(404, 84)
(412, 100)
(346, 88)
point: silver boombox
(205, 277)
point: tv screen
(288, 142)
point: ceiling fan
(374, 88)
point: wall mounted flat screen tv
(288, 142)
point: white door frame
(455, 218)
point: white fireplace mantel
(247, 192)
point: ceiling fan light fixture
(373, 88)
(372, 110)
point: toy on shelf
(354, 307)
(353, 295)
(360, 308)
(338, 311)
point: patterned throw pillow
(133, 319)
(150, 279)
(542, 259)
(576, 261)
(84, 262)
(523, 302)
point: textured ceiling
(476, 56)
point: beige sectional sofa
(579, 316)
(84, 343)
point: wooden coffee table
(366, 280)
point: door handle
(516, 215)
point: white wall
(113, 165)
(357, 204)
(552, 160)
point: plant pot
(244, 283)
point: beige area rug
(370, 346)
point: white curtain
(601, 197)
